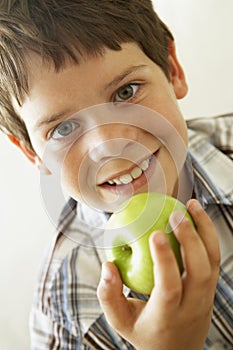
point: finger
(206, 231)
(113, 302)
(198, 280)
(194, 254)
(168, 286)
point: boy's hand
(178, 312)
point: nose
(110, 141)
(109, 148)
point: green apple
(127, 232)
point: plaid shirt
(66, 313)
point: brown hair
(63, 30)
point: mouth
(137, 176)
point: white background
(203, 32)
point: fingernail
(194, 205)
(106, 274)
(160, 238)
(176, 218)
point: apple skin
(127, 232)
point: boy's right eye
(64, 129)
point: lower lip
(136, 184)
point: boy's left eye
(126, 92)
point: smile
(132, 179)
(135, 173)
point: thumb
(112, 300)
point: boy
(59, 58)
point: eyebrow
(60, 116)
(123, 75)
(53, 118)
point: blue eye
(126, 92)
(64, 129)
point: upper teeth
(134, 174)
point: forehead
(41, 71)
(77, 84)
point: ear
(177, 75)
(32, 156)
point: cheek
(172, 116)
(78, 173)
(163, 101)
(70, 169)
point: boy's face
(105, 164)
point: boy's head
(58, 58)
(62, 31)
